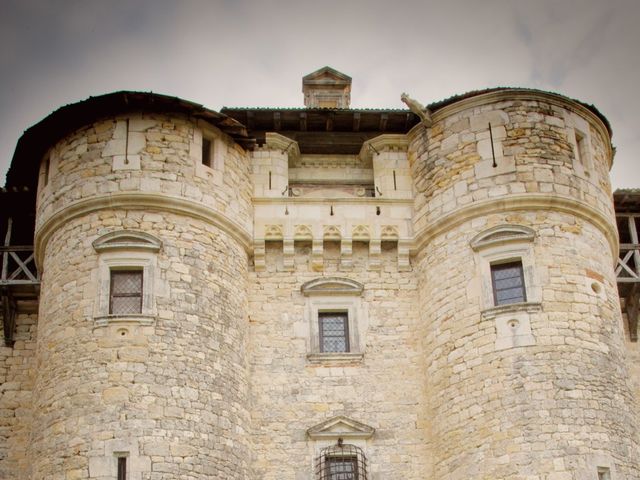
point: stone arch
(502, 234)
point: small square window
(125, 294)
(508, 283)
(334, 331)
(206, 152)
(604, 473)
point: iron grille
(341, 462)
(508, 283)
(126, 292)
(334, 331)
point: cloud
(254, 53)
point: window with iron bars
(125, 295)
(341, 462)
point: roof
(324, 130)
(349, 127)
(627, 200)
(435, 106)
(36, 140)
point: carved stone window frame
(333, 431)
(127, 250)
(335, 294)
(217, 151)
(502, 244)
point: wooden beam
(5, 255)
(303, 121)
(8, 315)
(356, 122)
(634, 239)
(632, 304)
(407, 121)
(329, 124)
(383, 121)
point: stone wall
(163, 157)
(17, 373)
(553, 401)
(291, 392)
(534, 148)
(220, 375)
(167, 388)
(171, 394)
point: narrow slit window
(122, 468)
(126, 292)
(206, 152)
(334, 331)
(47, 167)
(581, 149)
(508, 283)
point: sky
(255, 53)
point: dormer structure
(326, 88)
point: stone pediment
(332, 286)
(340, 427)
(126, 240)
(326, 75)
(502, 234)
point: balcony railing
(18, 266)
(19, 282)
(628, 265)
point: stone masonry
(249, 227)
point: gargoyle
(417, 108)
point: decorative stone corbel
(288, 254)
(317, 254)
(375, 254)
(259, 255)
(346, 254)
(403, 255)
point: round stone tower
(142, 232)
(516, 241)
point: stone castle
(319, 293)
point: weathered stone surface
(222, 378)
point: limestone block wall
(536, 390)
(558, 407)
(152, 154)
(170, 394)
(167, 388)
(535, 149)
(17, 373)
(270, 166)
(292, 390)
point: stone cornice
(138, 201)
(527, 95)
(382, 142)
(275, 141)
(520, 202)
(334, 201)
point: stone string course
(222, 381)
